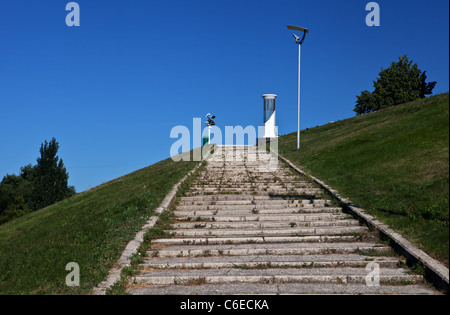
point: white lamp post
(299, 41)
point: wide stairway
(251, 225)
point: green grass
(91, 229)
(393, 163)
(162, 229)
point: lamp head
(298, 28)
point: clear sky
(111, 90)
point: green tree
(426, 88)
(17, 208)
(402, 82)
(364, 103)
(15, 194)
(50, 177)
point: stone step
(282, 170)
(335, 230)
(296, 248)
(210, 182)
(281, 289)
(267, 276)
(256, 190)
(279, 189)
(262, 225)
(270, 261)
(258, 211)
(255, 169)
(306, 217)
(202, 184)
(265, 203)
(236, 197)
(242, 182)
(251, 206)
(229, 165)
(251, 188)
(242, 239)
(249, 175)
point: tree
(402, 82)
(17, 208)
(8, 188)
(50, 177)
(15, 193)
(364, 103)
(426, 88)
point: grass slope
(91, 229)
(394, 163)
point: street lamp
(210, 123)
(299, 41)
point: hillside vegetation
(90, 228)
(394, 163)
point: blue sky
(111, 90)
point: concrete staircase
(250, 225)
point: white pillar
(269, 115)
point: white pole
(298, 113)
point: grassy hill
(394, 163)
(91, 229)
